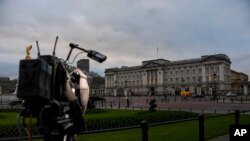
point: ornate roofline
(163, 62)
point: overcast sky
(127, 31)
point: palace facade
(205, 75)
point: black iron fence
(164, 103)
(201, 118)
(197, 98)
(144, 126)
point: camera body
(35, 79)
(45, 84)
(42, 87)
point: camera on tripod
(46, 86)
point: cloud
(128, 32)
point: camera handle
(72, 46)
(91, 53)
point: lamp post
(198, 90)
(214, 93)
(114, 88)
(116, 93)
(1, 94)
(125, 88)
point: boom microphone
(97, 56)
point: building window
(187, 72)
(171, 80)
(176, 80)
(182, 73)
(217, 69)
(166, 80)
(207, 78)
(207, 70)
(176, 73)
(182, 80)
(194, 72)
(199, 71)
(194, 79)
(171, 73)
(212, 70)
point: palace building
(205, 75)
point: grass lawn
(187, 131)
(107, 113)
(8, 118)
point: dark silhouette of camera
(46, 86)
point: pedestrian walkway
(221, 138)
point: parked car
(185, 93)
(197, 95)
(230, 94)
(96, 98)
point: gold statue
(28, 48)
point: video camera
(45, 84)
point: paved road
(199, 105)
(221, 138)
(223, 105)
(194, 105)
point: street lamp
(114, 88)
(214, 93)
(116, 92)
(198, 90)
(125, 88)
(1, 94)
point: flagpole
(157, 53)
